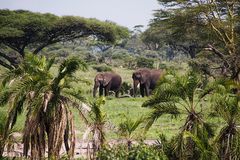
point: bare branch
(216, 51)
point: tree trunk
(192, 51)
(2, 146)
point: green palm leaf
(177, 95)
(46, 99)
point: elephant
(147, 78)
(107, 81)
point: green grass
(116, 108)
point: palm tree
(47, 100)
(127, 129)
(95, 122)
(226, 104)
(177, 95)
(9, 141)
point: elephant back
(156, 74)
(141, 71)
(116, 80)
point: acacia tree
(24, 30)
(47, 100)
(211, 25)
(177, 30)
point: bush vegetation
(139, 152)
(102, 68)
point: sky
(124, 12)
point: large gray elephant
(107, 81)
(147, 78)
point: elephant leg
(142, 89)
(107, 89)
(96, 86)
(135, 84)
(100, 91)
(106, 92)
(147, 90)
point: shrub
(125, 88)
(143, 62)
(139, 152)
(102, 68)
(162, 66)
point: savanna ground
(116, 109)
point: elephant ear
(144, 76)
(98, 78)
(106, 80)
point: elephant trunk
(135, 84)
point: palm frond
(5, 96)
(159, 110)
(74, 94)
(226, 106)
(10, 76)
(193, 82)
(228, 142)
(206, 151)
(128, 126)
(66, 69)
(96, 125)
(70, 65)
(96, 113)
(179, 94)
(47, 101)
(49, 64)
(218, 86)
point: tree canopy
(21, 31)
(207, 27)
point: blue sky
(124, 12)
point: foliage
(177, 95)
(135, 44)
(140, 152)
(102, 68)
(6, 142)
(162, 66)
(127, 129)
(126, 88)
(95, 126)
(226, 104)
(47, 100)
(2, 126)
(207, 27)
(143, 62)
(21, 30)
